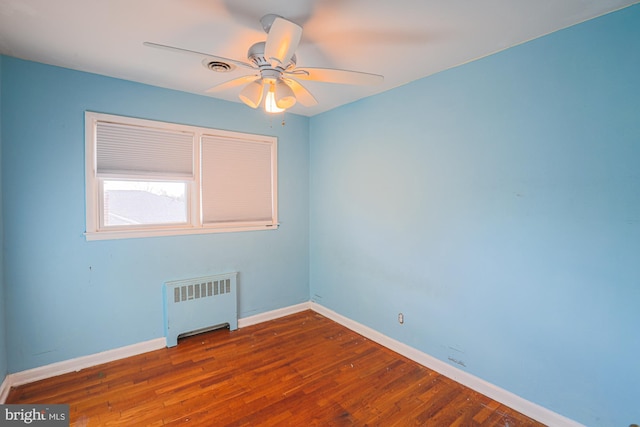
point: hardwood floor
(299, 370)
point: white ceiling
(402, 40)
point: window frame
(95, 230)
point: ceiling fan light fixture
(270, 105)
(284, 96)
(252, 93)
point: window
(148, 178)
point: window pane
(144, 202)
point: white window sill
(139, 233)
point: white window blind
(236, 180)
(141, 151)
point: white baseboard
(274, 314)
(5, 387)
(73, 365)
(498, 394)
(494, 392)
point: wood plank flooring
(299, 370)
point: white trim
(157, 232)
(274, 314)
(492, 391)
(5, 388)
(79, 363)
(496, 393)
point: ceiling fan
(274, 69)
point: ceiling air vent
(218, 66)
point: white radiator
(196, 305)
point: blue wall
(67, 297)
(3, 330)
(497, 205)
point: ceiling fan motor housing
(256, 55)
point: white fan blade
(282, 41)
(233, 83)
(331, 75)
(302, 94)
(201, 54)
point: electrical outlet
(400, 318)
